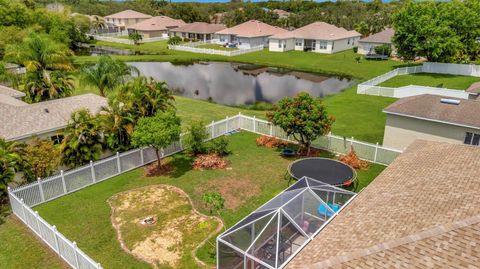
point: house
(367, 45)
(120, 21)
(158, 26)
(432, 117)
(248, 34)
(282, 14)
(422, 211)
(198, 30)
(21, 121)
(318, 37)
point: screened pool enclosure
(274, 233)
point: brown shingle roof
(159, 23)
(319, 31)
(128, 14)
(23, 121)
(11, 92)
(430, 107)
(421, 210)
(200, 28)
(474, 88)
(252, 28)
(384, 37)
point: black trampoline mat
(326, 170)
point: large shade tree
(83, 139)
(158, 131)
(302, 117)
(106, 74)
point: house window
(472, 139)
(323, 45)
(298, 42)
(280, 43)
(348, 42)
(56, 139)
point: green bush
(383, 50)
(174, 40)
(218, 146)
(196, 135)
(355, 49)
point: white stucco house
(121, 20)
(318, 37)
(21, 121)
(198, 30)
(249, 34)
(158, 26)
(432, 117)
(367, 45)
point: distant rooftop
(437, 108)
(21, 120)
(422, 211)
(319, 31)
(384, 37)
(252, 28)
(128, 14)
(158, 23)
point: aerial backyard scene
(239, 134)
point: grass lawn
(432, 80)
(148, 47)
(215, 47)
(84, 216)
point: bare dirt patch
(235, 191)
(178, 230)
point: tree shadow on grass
(182, 163)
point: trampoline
(330, 171)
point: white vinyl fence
(191, 47)
(24, 197)
(370, 87)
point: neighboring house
(367, 45)
(318, 37)
(21, 121)
(282, 14)
(198, 30)
(422, 211)
(158, 26)
(432, 117)
(474, 90)
(121, 20)
(248, 34)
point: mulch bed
(152, 170)
(209, 162)
(352, 159)
(270, 142)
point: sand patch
(178, 229)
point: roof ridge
(387, 245)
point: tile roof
(30, 119)
(158, 23)
(128, 14)
(319, 31)
(422, 211)
(252, 28)
(384, 37)
(430, 107)
(200, 28)
(11, 92)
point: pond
(90, 50)
(239, 84)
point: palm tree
(119, 123)
(47, 63)
(98, 23)
(145, 96)
(83, 139)
(106, 74)
(8, 163)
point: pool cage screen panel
(274, 233)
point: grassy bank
(432, 80)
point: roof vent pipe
(450, 101)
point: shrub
(352, 159)
(197, 134)
(219, 146)
(174, 40)
(355, 49)
(383, 50)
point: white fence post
(42, 195)
(118, 163)
(142, 161)
(92, 170)
(351, 141)
(213, 129)
(254, 124)
(57, 246)
(329, 140)
(37, 220)
(226, 124)
(75, 251)
(271, 129)
(23, 211)
(376, 152)
(63, 182)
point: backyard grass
(432, 80)
(215, 47)
(256, 174)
